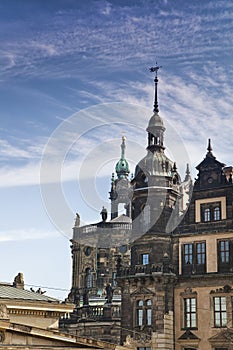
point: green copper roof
(122, 166)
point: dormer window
(217, 212)
(211, 212)
(207, 214)
(210, 209)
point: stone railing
(96, 313)
(149, 269)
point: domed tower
(156, 182)
(120, 187)
(147, 284)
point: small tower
(147, 285)
(120, 187)
(156, 182)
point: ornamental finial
(155, 69)
(209, 148)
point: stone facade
(174, 274)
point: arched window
(140, 313)
(144, 312)
(216, 213)
(207, 215)
(88, 278)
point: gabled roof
(10, 292)
(210, 160)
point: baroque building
(170, 285)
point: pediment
(224, 336)
(188, 335)
(142, 291)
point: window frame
(225, 255)
(144, 312)
(145, 259)
(220, 313)
(211, 212)
(193, 257)
(190, 314)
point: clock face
(87, 251)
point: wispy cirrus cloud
(119, 35)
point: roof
(10, 292)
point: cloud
(120, 35)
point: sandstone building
(173, 276)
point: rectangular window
(190, 313)
(194, 258)
(145, 259)
(220, 312)
(148, 317)
(225, 256)
(188, 253)
(224, 251)
(201, 253)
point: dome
(122, 167)
(155, 122)
(155, 163)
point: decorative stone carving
(3, 312)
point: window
(225, 255)
(140, 313)
(144, 312)
(201, 253)
(220, 312)
(188, 253)
(207, 215)
(224, 251)
(148, 313)
(89, 280)
(146, 348)
(194, 258)
(190, 313)
(145, 259)
(217, 214)
(211, 211)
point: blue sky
(73, 76)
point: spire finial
(123, 145)
(209, 148)
(187, 175)
(155, 69)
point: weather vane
(155, 69)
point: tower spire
(209, 148)
(155, 69)
(122, 166)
